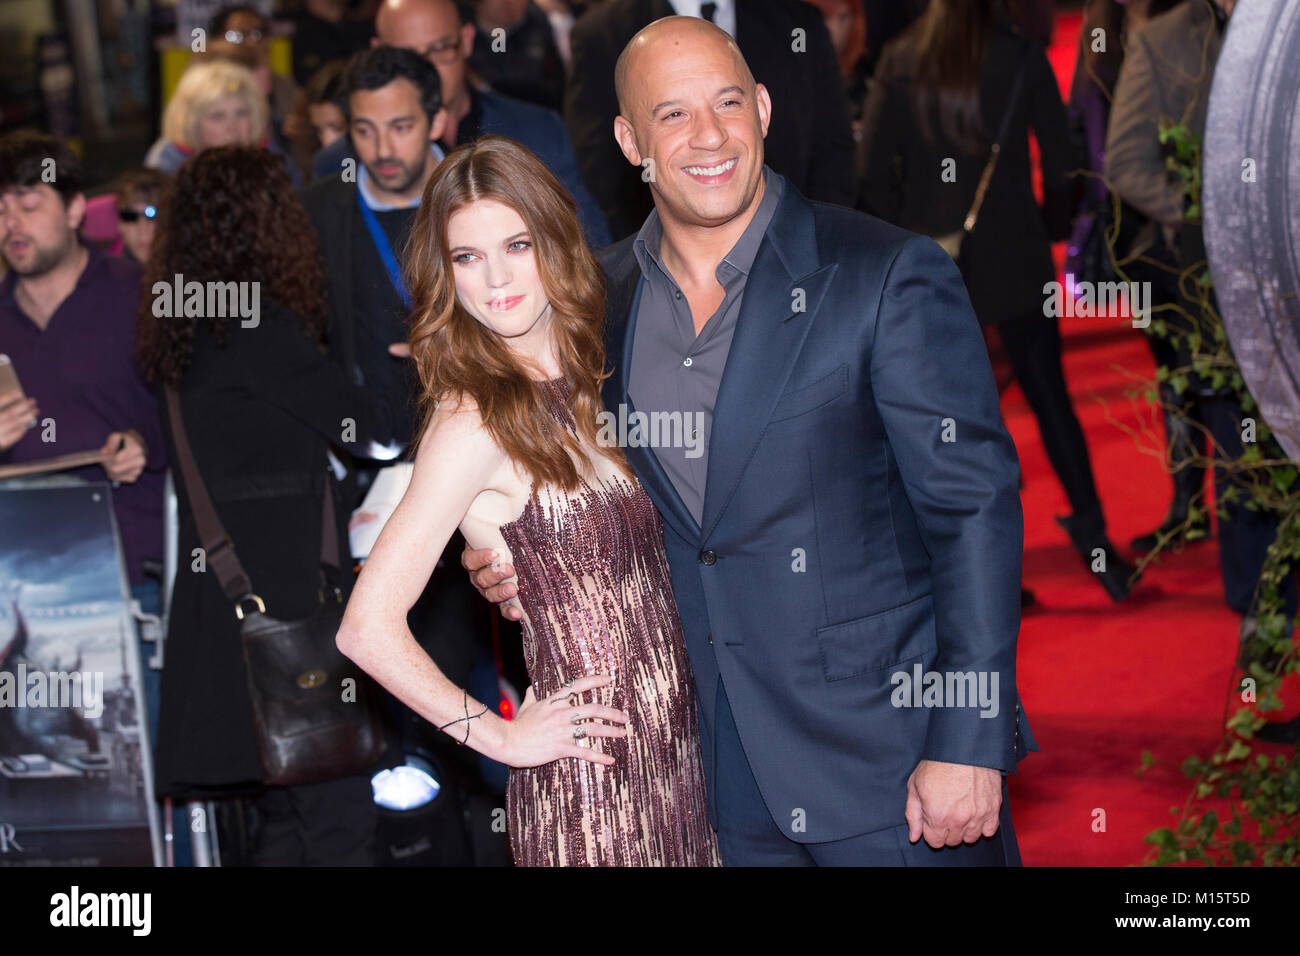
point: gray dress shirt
(674, 377)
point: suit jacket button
(707, 557)
(710, 638)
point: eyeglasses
(444, 49)
(132, 215)
(239, 36)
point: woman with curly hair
(261, 402)
(506, 335)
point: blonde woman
(216, 103)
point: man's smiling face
(691, 107)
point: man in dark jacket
(360, 221)
(515, 52)
(827, 324)
(434, 30)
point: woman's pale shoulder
(456, 426)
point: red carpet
(1103, 682)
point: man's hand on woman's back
(487, 577)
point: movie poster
(75, 774)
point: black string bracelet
(466, 719)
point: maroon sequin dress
(594, 586)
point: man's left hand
(127, 463)
(952, 803)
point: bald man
(846, 549)
(788, 48)
(436, 31)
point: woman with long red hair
(506, 336)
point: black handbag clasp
(239, 605)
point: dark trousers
(318, 824)
(1033, 346)
(1245, 535)
(748, 836)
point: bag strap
(992, 163)
(217, 546)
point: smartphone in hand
(9, 380)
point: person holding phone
(67, 325)
(18, 413)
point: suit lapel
(623, 298)
(784, 289)
(618, 302)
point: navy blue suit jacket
(861, 516)
(540, 129)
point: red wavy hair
(848, 57)
(456, 355)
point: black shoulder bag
(310, 725)
(954, 242)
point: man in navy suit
(435, 30)
(846, 554)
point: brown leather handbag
(315, 712)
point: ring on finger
(579, 733)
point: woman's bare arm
(456, 462)
(374, 632)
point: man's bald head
(434, 30)
(664, 39)
(692, 117)
(395, 17)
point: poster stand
(76, 760)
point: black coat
(809, 140)
(331, 205)
(900, 170)
(449, 619)
(259, 414)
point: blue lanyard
(384, 248)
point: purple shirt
(82, 372)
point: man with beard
(396, 116)
(67, 323)
(362, 220)
(438, 31)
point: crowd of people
(432, 185)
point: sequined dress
(595, 589)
